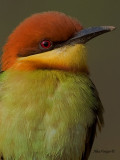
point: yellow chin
(72, 58)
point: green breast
(44, 114)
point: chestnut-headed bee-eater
(49, 107)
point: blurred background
(103, 56)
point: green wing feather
(91, 131)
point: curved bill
(86, 34)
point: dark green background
(103, 55)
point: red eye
(46, 44)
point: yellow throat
(70, 58)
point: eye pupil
(46, 44)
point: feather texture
(47, 114)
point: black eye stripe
(38, 49)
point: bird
(49, 107)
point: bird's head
(50, 40)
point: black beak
(86, 34)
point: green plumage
(47, 115)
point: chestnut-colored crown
(26, 37)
